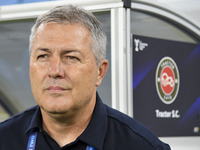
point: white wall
(190, 8)
(183, 143)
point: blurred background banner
(166, 85)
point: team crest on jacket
(167, 80)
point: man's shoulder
(124, 124)
(13, 130)
(125, 120)
(19, 120)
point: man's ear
(102, 69)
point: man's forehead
(53, 36)
(63, 30)
(64, 23)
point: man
(67, 64)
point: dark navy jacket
(107, 130)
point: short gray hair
(72, 14)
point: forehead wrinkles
(57, 33)
(67, 31)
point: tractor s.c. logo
(167, 80)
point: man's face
(63, 71)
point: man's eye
(72, 57)
(42, 56)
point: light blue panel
(13, 2)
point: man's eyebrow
(64, 51)
(71, 51)
(42, 49)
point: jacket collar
(95, 132)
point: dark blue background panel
(151, 57)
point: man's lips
(56, 89)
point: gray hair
(72, 14)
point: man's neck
(66, 129)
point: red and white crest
(167, 80)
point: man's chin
(54, 110)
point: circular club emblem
(167, 80)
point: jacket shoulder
(135, 129)
(18, 120)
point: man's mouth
(56, 89)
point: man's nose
(56, 68)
